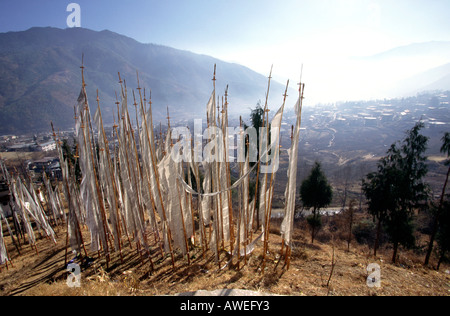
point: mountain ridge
(417, 48)
(40, 77)
(406, 70)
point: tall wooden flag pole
(271, 186)
(149, 139)
(227, 169)
(89, 146)
(69, 198)
(119, 183)
(290, 193)
(115, 208)
(158, 185)
(259, 160)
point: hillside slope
(310, 270)
(40, 77)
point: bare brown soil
(44, 273)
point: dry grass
(18, 158)
(44, 273)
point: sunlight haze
(328, 37)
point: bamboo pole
(216, 224)
(155, 170)
(223, 124)
(138, 175)
(238, 230)
(123, 220)
(189, 198)
(12, 236)
(179, 197)
(99, 196)
(219, 185)
(246, 213)
(126, 135)
(269, 202)
(259, 160)
(111, 171)
(26, 218)
(182, 222)
(145, 126)
(66, 183)
(202, 227)
(230, 201)
(240, 191)
(287, 256)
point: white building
(49, 146)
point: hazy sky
(255, 33)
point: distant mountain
(410, 69)
(437, 78)
(40, 77)
(434, 48)
(431, 80)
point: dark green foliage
(443, 234)
(364, 232)
(70, 155)
(445, 149)
(400, 229)
(397, 188)
(67, 152)
(316, 193)
(256, 118)
(314, 221)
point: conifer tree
(316, 193)
(398, 187)
(444, 149)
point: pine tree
(316, 193)
(257, 119)
(397, 188)
(444, 149)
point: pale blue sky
(197, 24)
(255, 33)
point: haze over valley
(40, 77)
(41, 80)
(133, 153)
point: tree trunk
(349, 240)
(436, 219)
(377, 238)
(441, 258)
(313, 226)
(394, 255)
(344, 202)
(432, 236)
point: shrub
(365, 232)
